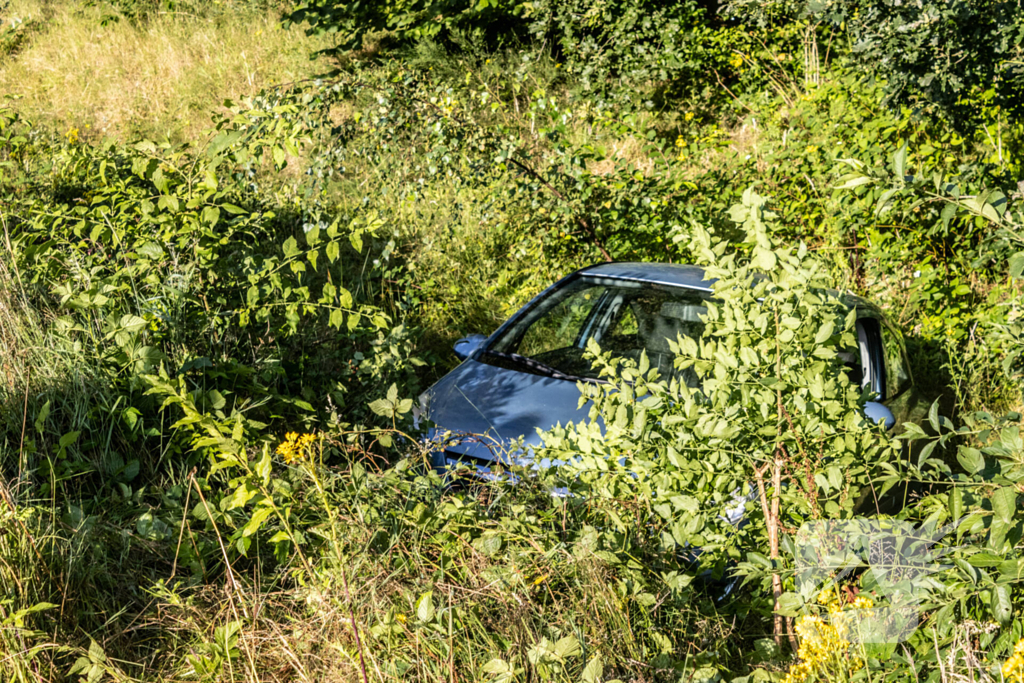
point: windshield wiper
(535, 366)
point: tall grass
(154, 78)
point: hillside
(241, 237)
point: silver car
(522, 378)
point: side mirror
(879, 414)
(465, 347)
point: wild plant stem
(331, 518)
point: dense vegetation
(239, 239)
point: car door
(901, 394)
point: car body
(523, 377)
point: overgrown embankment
(215, 318)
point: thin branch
(579, 219)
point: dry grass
(163, 77)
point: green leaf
(211, 216)
(956, 503)
(933, 416)
(789, 605)
(220, 143)
(337, 318)
(824, 333)
(764, 259)
(594, 669)
(279, 537)
(1017, 264)
(215, 399)
(566, 647)
(970, 459)
(151, 250)
(767, 650)
(291, 247)
(1004, 504)
(257, 519)
(899, 162)
(489, 544)
(332, 251)
(18, 618)
(425, 607)
(855, 182)
(68, 439)
(152, 528)
(997, 535)
(132, 323)
(313, 236)
(238, 498)
(382, 407)
(40, 421)
(159, 181)
(263, 466)
(345, 298)
(500, 669)
(1001, 605)
(985, 560)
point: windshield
(623, 316)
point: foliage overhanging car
(523, 378)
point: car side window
(872, 355)
(898, 373)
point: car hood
(498, 406)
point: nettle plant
(769, 428)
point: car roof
(691, 277)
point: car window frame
(875, 371)
(869, 343)
(597, 315)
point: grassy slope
(163, 78)
(154, 79)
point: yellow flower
(1013, 668)
(736, 62)
(72, 135)
(540, 579)
(688, 116)
(823, 651)
(811, 149)
(295, 447)
(863, 603)
(401, 618)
